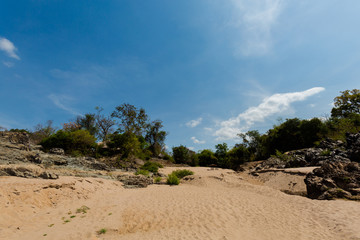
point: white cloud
(194, 123)
(60, 101)
(9, 48)
(8, 64)
(276, 103)
(255, 19)
(196, 141)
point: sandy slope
(215, 204)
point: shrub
(172, 179)
(142, 172)
(207, 157)
(79, 142)
(182, 173)
(157, 179)
(151, 166)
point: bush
(151, 166)
(182, 173)
(157, 179)
(142, 172)
(77, 142)
(207, 157)
(172, 179)
(183, 155)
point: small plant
(182, 173)
(102, 231)
(157, 179)
(66, 221)
(72, 216)
(142, 172)
(110, 214)
(172, 179)
(51, 225)
(151, 166)
(82, 209)
(326, 152)
(281, 156)
(45, 235)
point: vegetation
(182, 173)
(151, 166)
(172, 179)
(142, 172)
(102, 231)
(128, 133)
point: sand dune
(214, 204)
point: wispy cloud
(254, 19)
(197, 141)
(8, 64)
(194, 123)
(61, 102)
(276, 103)
(9, 48)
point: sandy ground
(215, 204)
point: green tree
(238, 155)
(79, 141)
(155, 137)
(183, 155)
(131, 119)
(88, 122)
(221, 155)
(207, 157)
(347, 103)
(127, 144)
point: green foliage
(207, 157)
(183, 155)
(347, 103)
(88, 122)
(172, 179)
(19, 130)
(238, 155)
(157, 179)
(338, 127)
(79, 141)
(42, 131)
(222, 156)
(132, 120)
(142, 172)
(182, 173)
(102, 231)
(281, 156)
(155, 137)
(168, 157)
(326, 152)
(126, 144)
(151, 166)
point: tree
(346, 104)
(88, 122)
(155, 137)
(183, 155)
(132, 120)
(42, 131)
(127, 144)
(104, 124)
(207, 157)
(238, 155)
(221, 155)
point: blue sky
(208, 69)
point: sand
(215, 204)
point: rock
(353, 146)
(58, 151)
(135, 181)
(334, 179)
(48, 175)
(35, 158)
(60, 162)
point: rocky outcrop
(353, 146)
(135, 181)
(26, 172)
(334, 179)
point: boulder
(58, 151)
(334, 179)
(135, 181)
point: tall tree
(104, 124)
(155, 137)
(346, 104)
(131, 119)
(88, 122)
